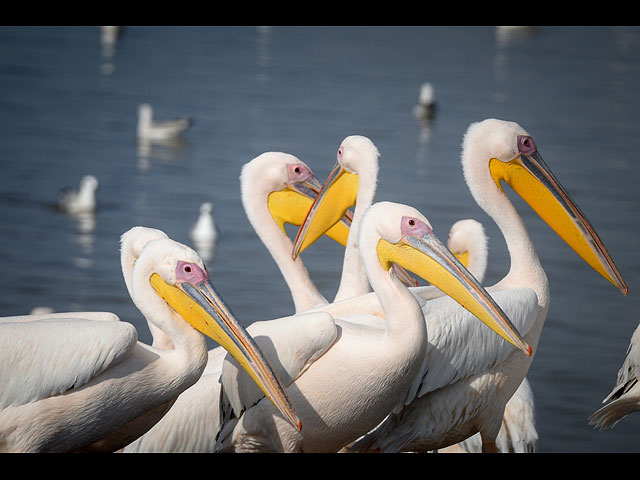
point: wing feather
(48, 356)
(460, 345)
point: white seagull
(463, 391)
(426, 107)
(150, 129)
(82, 200)
(204, 230)
(80, 382)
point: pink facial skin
(190, 273)
(414, 227)
(298, 172)
(526, 145)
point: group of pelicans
(387, 366)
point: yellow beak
(427, 257)
(532, 179)
(291, 204)
(338, 194)
(202, 307)
(463, 257)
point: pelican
(366, 370)
(277, 189)
(625, 396)
(81, 201)
(75, 382)
(426, 106)
(464, 390)
(150, 129)
(518, 434)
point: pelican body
(366, 369)
(81, 382)
(462, 391)
(277, 189)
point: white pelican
(625, 396)
(464, 390)
(426, 106)
(150, 129)
(277, 189)
(518, 434)
(366, 370)
(82, 382)
(81, 201)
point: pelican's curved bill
(337, 195)
(428, 258)
(330, 210)
(291, 204)
(201, 306)
(531, 178)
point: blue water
(67, 108)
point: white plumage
(204, 230)
(367, 370)
(82, 200)
(625, 396)
(150, 129)
(518, 434)
(277, 188)
(426, 106)
(465, 389)
(81, 381)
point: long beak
(427, 257)
(291, 204)
(204, 309)
(532, 179)
(338, 194)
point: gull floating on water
(426, 107)
(159, 130)
(204, 230)
(82, 200)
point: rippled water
(67, 108)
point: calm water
(67, 108)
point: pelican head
(467, 236)
(356, 157)
(505, 152)
(406, 238)
(290, 188)
(178, 275)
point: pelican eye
(414, 227)
(526, 144)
